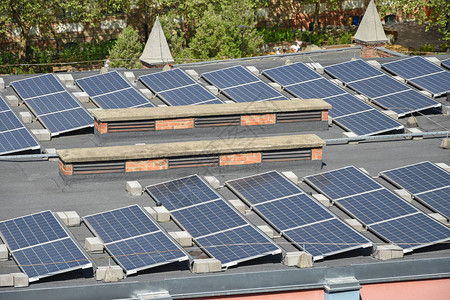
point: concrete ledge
(239, 205)
(20, 279)
(291, 176)
(6, 280)
(322, 199)
(174, 112)
(83, 97)
(385, 252)
(192, 73)
(213, 181)
(404, 194)
(109, 273)
(162, 214)
(93, 245)
(130, 76)
(299, 259)
(70, 218)
(151, 212)
(12, 100)
(355, 224)
(267, 230)
(203, 147)
(26, 117)
(4, 255)
(208, 265)
(134, 188)
(415, 130)
(68, 80)
(182, 237)
(42, 134)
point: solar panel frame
(223, 80)
(81, 117)
(128, 237)
(421, 101)
(437, 200)
(14, 135)
(296, 73)
(43, 244)
(251, 189)
(156, 191)
(253, 92)
(437, 83)
(167, 80)
(351, 71)
(446, 63)
(411, 67)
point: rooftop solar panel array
(347, 111)
(54, 106)
(381, 88)
(240, 85)
(429, 184)
(111, 90)
(446, 63)
(422, 73)
(301, 219)
(383, 212)
(134, 239)
(41, 246)
(175, 87)
(214, 225)
(14, 136)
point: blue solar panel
(230, 77)
(378, 86)
(343, 182)
(110, 90)
(320, 88)
(252, 92)
(383, 212)
(301, 219)
(291, 74)
(41, 246)
(446, 63)
(352, 71)
(175, 87)
(134, 239)
(14, 136)
(368, 122)
(406, 102)
(54, 106)
(426, 181)
(437, 84)
(349, 112)
(215, 226)
(167, 80)
(241, 85)
(413, 231)
(412, 67)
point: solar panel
(241, 85)
(301, 219)
(111, 90)
(421, 73)
(14, 136)
(383, 212)
(446, 63)
(175, 87)
(55, 107)
(214, 225)
(349, 112)
(134, 239)
(426, 181)
(41, 246)
(382, 89)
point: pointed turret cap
(156, 51)
(370, 30)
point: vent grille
(98, 168)
(302, 116)
(286, 155)
(217, 121)
(131, 126)
(190, 162)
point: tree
(127, 50)
(435, 13)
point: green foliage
(331, 41)
(346, 38)
(314, 38)
(426, 48)
(127, 50)
(274, 34)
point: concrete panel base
(134, 188)
(162, 214)
(12, 100)
(267, 230)
(385, 252)
(182, 237)
(322, 199)
(151, 211)
(6, 280)
(20, 280)
(239, 205)
(93, 245)
(404, 194)
(291, 176)
(213, 181)
(4, 255)
(209, 265)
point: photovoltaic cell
(383, 212)
(406, 102)
(134, 239)
(378, 86)
(111, 90)
(352, 71)
(175, 87)
(437, 84)
(241, 85)
(347, 111)
(426, 181)
(302, 220)
(55, 107)
(214, 225)
(41, 246)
